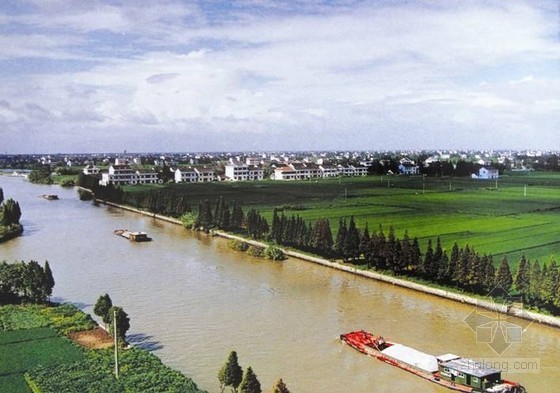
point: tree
(102, 307)
(231, 373)
(250, 383)
(1, 195)
(279, 387)
(503, 275)
(522, 280)
(321, 238)
(204, 219)
(49, 279)
(352, 240)
(122, 322)
(341, 239)
(11, 213)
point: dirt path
(96, 338)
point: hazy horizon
(279, 75)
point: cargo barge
(451, 371)
(132, 236)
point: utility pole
(116, 346)
(525, 190)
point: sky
(185, 76)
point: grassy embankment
(518, 217)
(38, 356)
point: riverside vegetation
(461, 233)
(43, 357)
(10, 213)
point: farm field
(515, 215)
(24, 349)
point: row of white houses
(314, 171)
(122, 174)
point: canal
(192, 300)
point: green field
(24, 349)
(34, 346)
(518, 217)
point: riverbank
(7, 233)
(504, 309)
(58, 347)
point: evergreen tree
(279, 387)
(340, 243)
(237, 217)
(550, 283)
(503, 275)
(321, 239)
(443, 269)
(49, 279)
(489, 276)
(11, 213)
(416, 256)
(250, 383)
(454, 263)
(475, 273)
(231, 373)
(406, 254)
(204, 219)
(438, 260)
(102, 307)
(536, 281)
(364, 240)
(428, 265)
(389, 252)
(522, 280)
(276, 230)
(462, 272)
(352, 241)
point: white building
(147, 177)
(408, 169)
(328, 170)
(185, 175)
(285, 173)
(205, 175)
(119, 175)
(90, 170)
(487, 173)
(237, 171)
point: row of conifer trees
(461, 267)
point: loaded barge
(451, 371)
(132, 236)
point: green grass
(24, 349)
(519, 217)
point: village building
(185, 175)
(90, 170)
(205, 175)
(408, 169)
(237, 171)
(328, 170)
(119, 175)
(147, 177)
(487, 173)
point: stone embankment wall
(479, 303)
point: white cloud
(418, 68)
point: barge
(452, 371)
(132, 236)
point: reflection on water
(192, 300)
